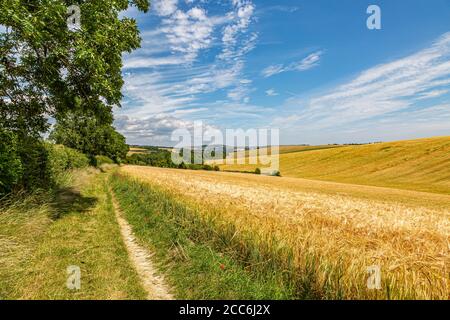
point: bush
(100, 160)
(33, 155)
(31, 164)
(257, 171)
(76, 159)
(60, 159)
(10, 164)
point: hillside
(422, 165)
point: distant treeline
(163, 158)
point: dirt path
(153, 283)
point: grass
(41, 235)
(198, 262)
(315, 239)
(422, 165)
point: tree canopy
(85, 133)
(46, 70)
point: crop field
(422, 165)
(321, 237)
(135, 150)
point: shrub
(31, 164)
(207, 167)
(57, 161)
(257, 171)
(76, 159)
(60, 159)
(34, 156)
(100, 160)
(10, 164)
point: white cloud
(433, 94)
(181, 36)
(388, 92)
(154, 130)
(189, 32)
(238, 93)
(236, 44)
(289, 9)
(388, 87)
(309, 62)
(164, 7)
(149, 62)
(271, 93)
(306, 63)
(174, 78)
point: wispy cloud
(166, 76)
(306, 63)
(399, 91)
(271, 93)
(388, 87)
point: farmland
(227, 235)
(312, 239)
(421, 165)
(134, 150)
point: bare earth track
(153, 283)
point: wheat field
(342, 228)
(422, 164)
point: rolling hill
(422, 164)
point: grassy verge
(201, 259)
(43, 234)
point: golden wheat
(422, 164)
(347, 228)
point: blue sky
(310, 68)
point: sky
(312, 69)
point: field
(134, 150)
(422, 164)
(140, 232)
(319, 237)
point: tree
(47, 70)
(58, 70)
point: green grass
(41, 235)
(201, 259)
(421, 165)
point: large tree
(46, 70)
